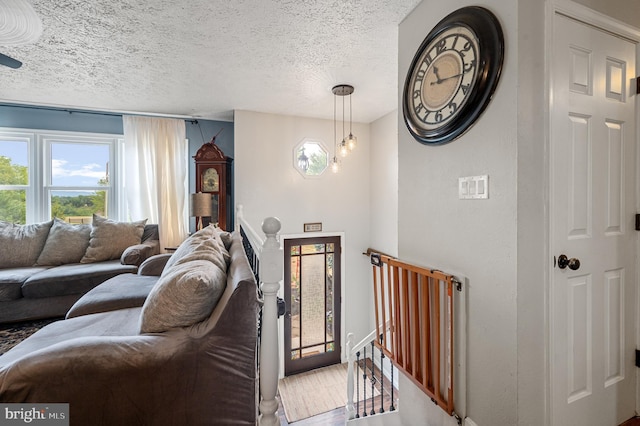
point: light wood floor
(337, 417)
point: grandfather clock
(213, 176)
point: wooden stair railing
(414, 314)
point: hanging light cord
(342, 118)
(350, 132)
(335, 129)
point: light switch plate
(473, 187)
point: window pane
(13, 206)
(312, 248)
(78, 206)
(13, 163)
(76, 164)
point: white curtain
(155, 152)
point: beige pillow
(183, 296)
(109, 238)
(201, 245)
(20, 245)
(225, 237)
(66, 243)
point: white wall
(267, 184)
(478, 239)
(384, 184)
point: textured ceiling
(206, 58)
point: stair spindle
(373, 407)
(364, 383)
(357, 386)
(381, 383)
(392, 408)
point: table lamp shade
(201, 205)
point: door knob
(564, 261)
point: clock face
(453, 75)
(445, 75)
(210, 180)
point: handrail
(271, 265)
(254, 238)
(367, 339)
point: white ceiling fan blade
(9, 62)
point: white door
(592, 194)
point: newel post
(271, 270)
(350, 408)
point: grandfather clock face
(210, 180)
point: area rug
(318, 391)
(12, 334)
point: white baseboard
(469, 422)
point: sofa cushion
(66, 243)
(183, 296)
(109, 238)
(120, 292)
(76, 278)
(202, 245)
(138, 253)
(20, 245)
(11, 281)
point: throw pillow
(20, 245)
(201, 245)
(65, 244)
(109, 238)
(225, 237)
(182, 297)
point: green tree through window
(13, 205)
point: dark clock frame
(487, 29)
(211, 156)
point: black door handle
(564, 261)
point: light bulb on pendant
(335, 166)
(344, 150)
(351, 142)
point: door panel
(312, 294)
(592, 190)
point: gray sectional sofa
(186, 354)
(46, 267)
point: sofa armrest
(136, 254)
(154, 265)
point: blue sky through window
(78, 164)
(72, 164)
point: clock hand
(440, 80)
(435, 72)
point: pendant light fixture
(335, 165)
(346, 144)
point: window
(59, 174)
(310, 158)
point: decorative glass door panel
(312, 294)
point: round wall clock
(453, 75)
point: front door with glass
(312, 294)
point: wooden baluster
(271, 270)
(350, 410)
